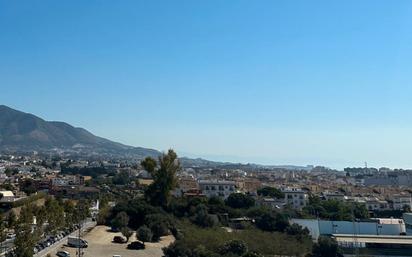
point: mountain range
(25, 132)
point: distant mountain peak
(20, 131)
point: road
(6, 245)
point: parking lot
(60, 241)
(101, 245)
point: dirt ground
(101, 245)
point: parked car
(77, 242)
(63, 254)
(119, 240)
(136, 246)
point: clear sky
(273, 82)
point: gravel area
(101, 245)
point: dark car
(63, 254)
(135, 246)
(119, 240)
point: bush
(235, 247)
(144, 234)
(252, 254)
(177, 249)
(203, 219)
(136, 209)
(326, 247)
(160, 225)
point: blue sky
(274, 82)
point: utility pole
(355, 234)
(79, 246)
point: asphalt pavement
(9, 243)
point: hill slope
(21, 131)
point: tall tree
(2, 231)
(54, 214)
(25, 238)
(164, 177)
(11, 220)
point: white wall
(326, 227)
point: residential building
(6, 197)
(399, 201)
(221, 188)
(296, 198)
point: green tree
(54, 213)
(326, 247)
(239, 200)
(272, 222)
(120, 221)
(70, 212)
(144, 234)
(11, 171)
(164, 177)
(126, 232)
(81, 211)
(159, 224)
(202, 218)
(296, 229)
(271, 192)
(28, 187)
(3, 229)
(11, 220)
(25, 239)
(121, 178)
(41, 218)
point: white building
(400, 201)
(6, 197)
(297, 198)
(221, 188)
(375, 204)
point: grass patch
(266, 243)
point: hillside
(21, 131)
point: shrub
(236, 247)
(144, 234)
